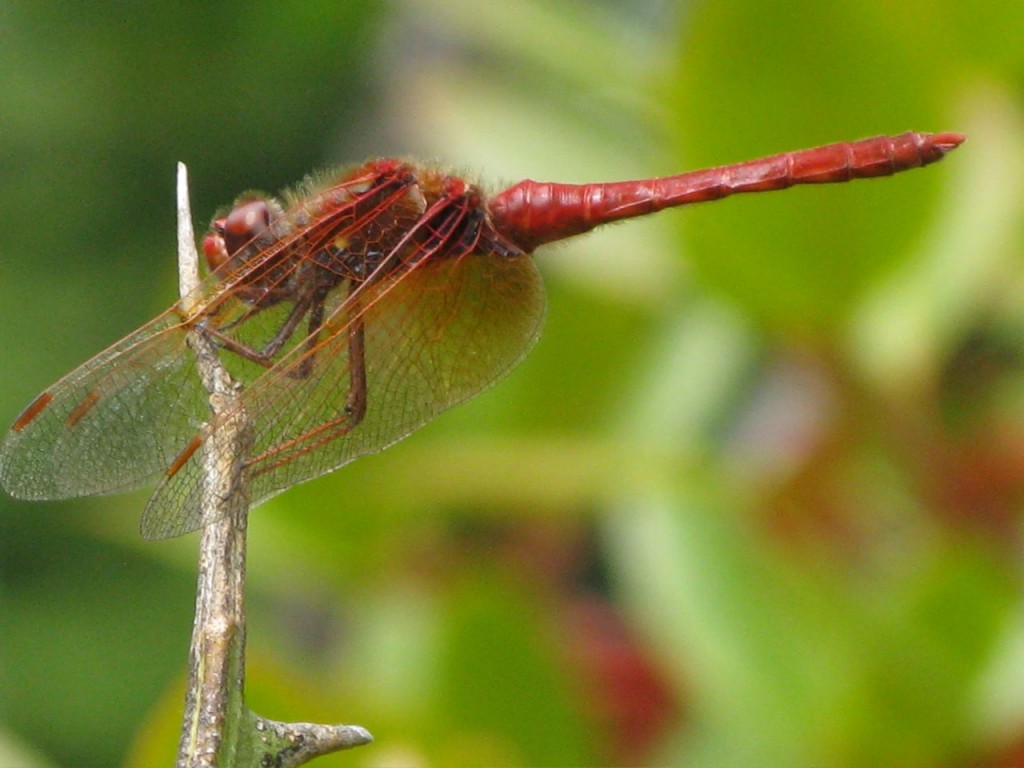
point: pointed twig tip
(360, 736)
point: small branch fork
(218, 729)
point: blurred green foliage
(754, 498)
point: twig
(218, 730)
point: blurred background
(755, 497)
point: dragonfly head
(245, 229)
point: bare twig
(217, 729)
(216, 657)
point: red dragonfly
(353, 312)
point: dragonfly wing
(112, 423)
(434, 337)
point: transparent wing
(119, 419)
(434, 337)
(112, 423)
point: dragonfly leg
(316, 322)
(265, 356)
(355, 405)
(350, 417)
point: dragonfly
(353, 309)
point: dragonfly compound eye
(245, 223)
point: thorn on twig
(292, 744)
